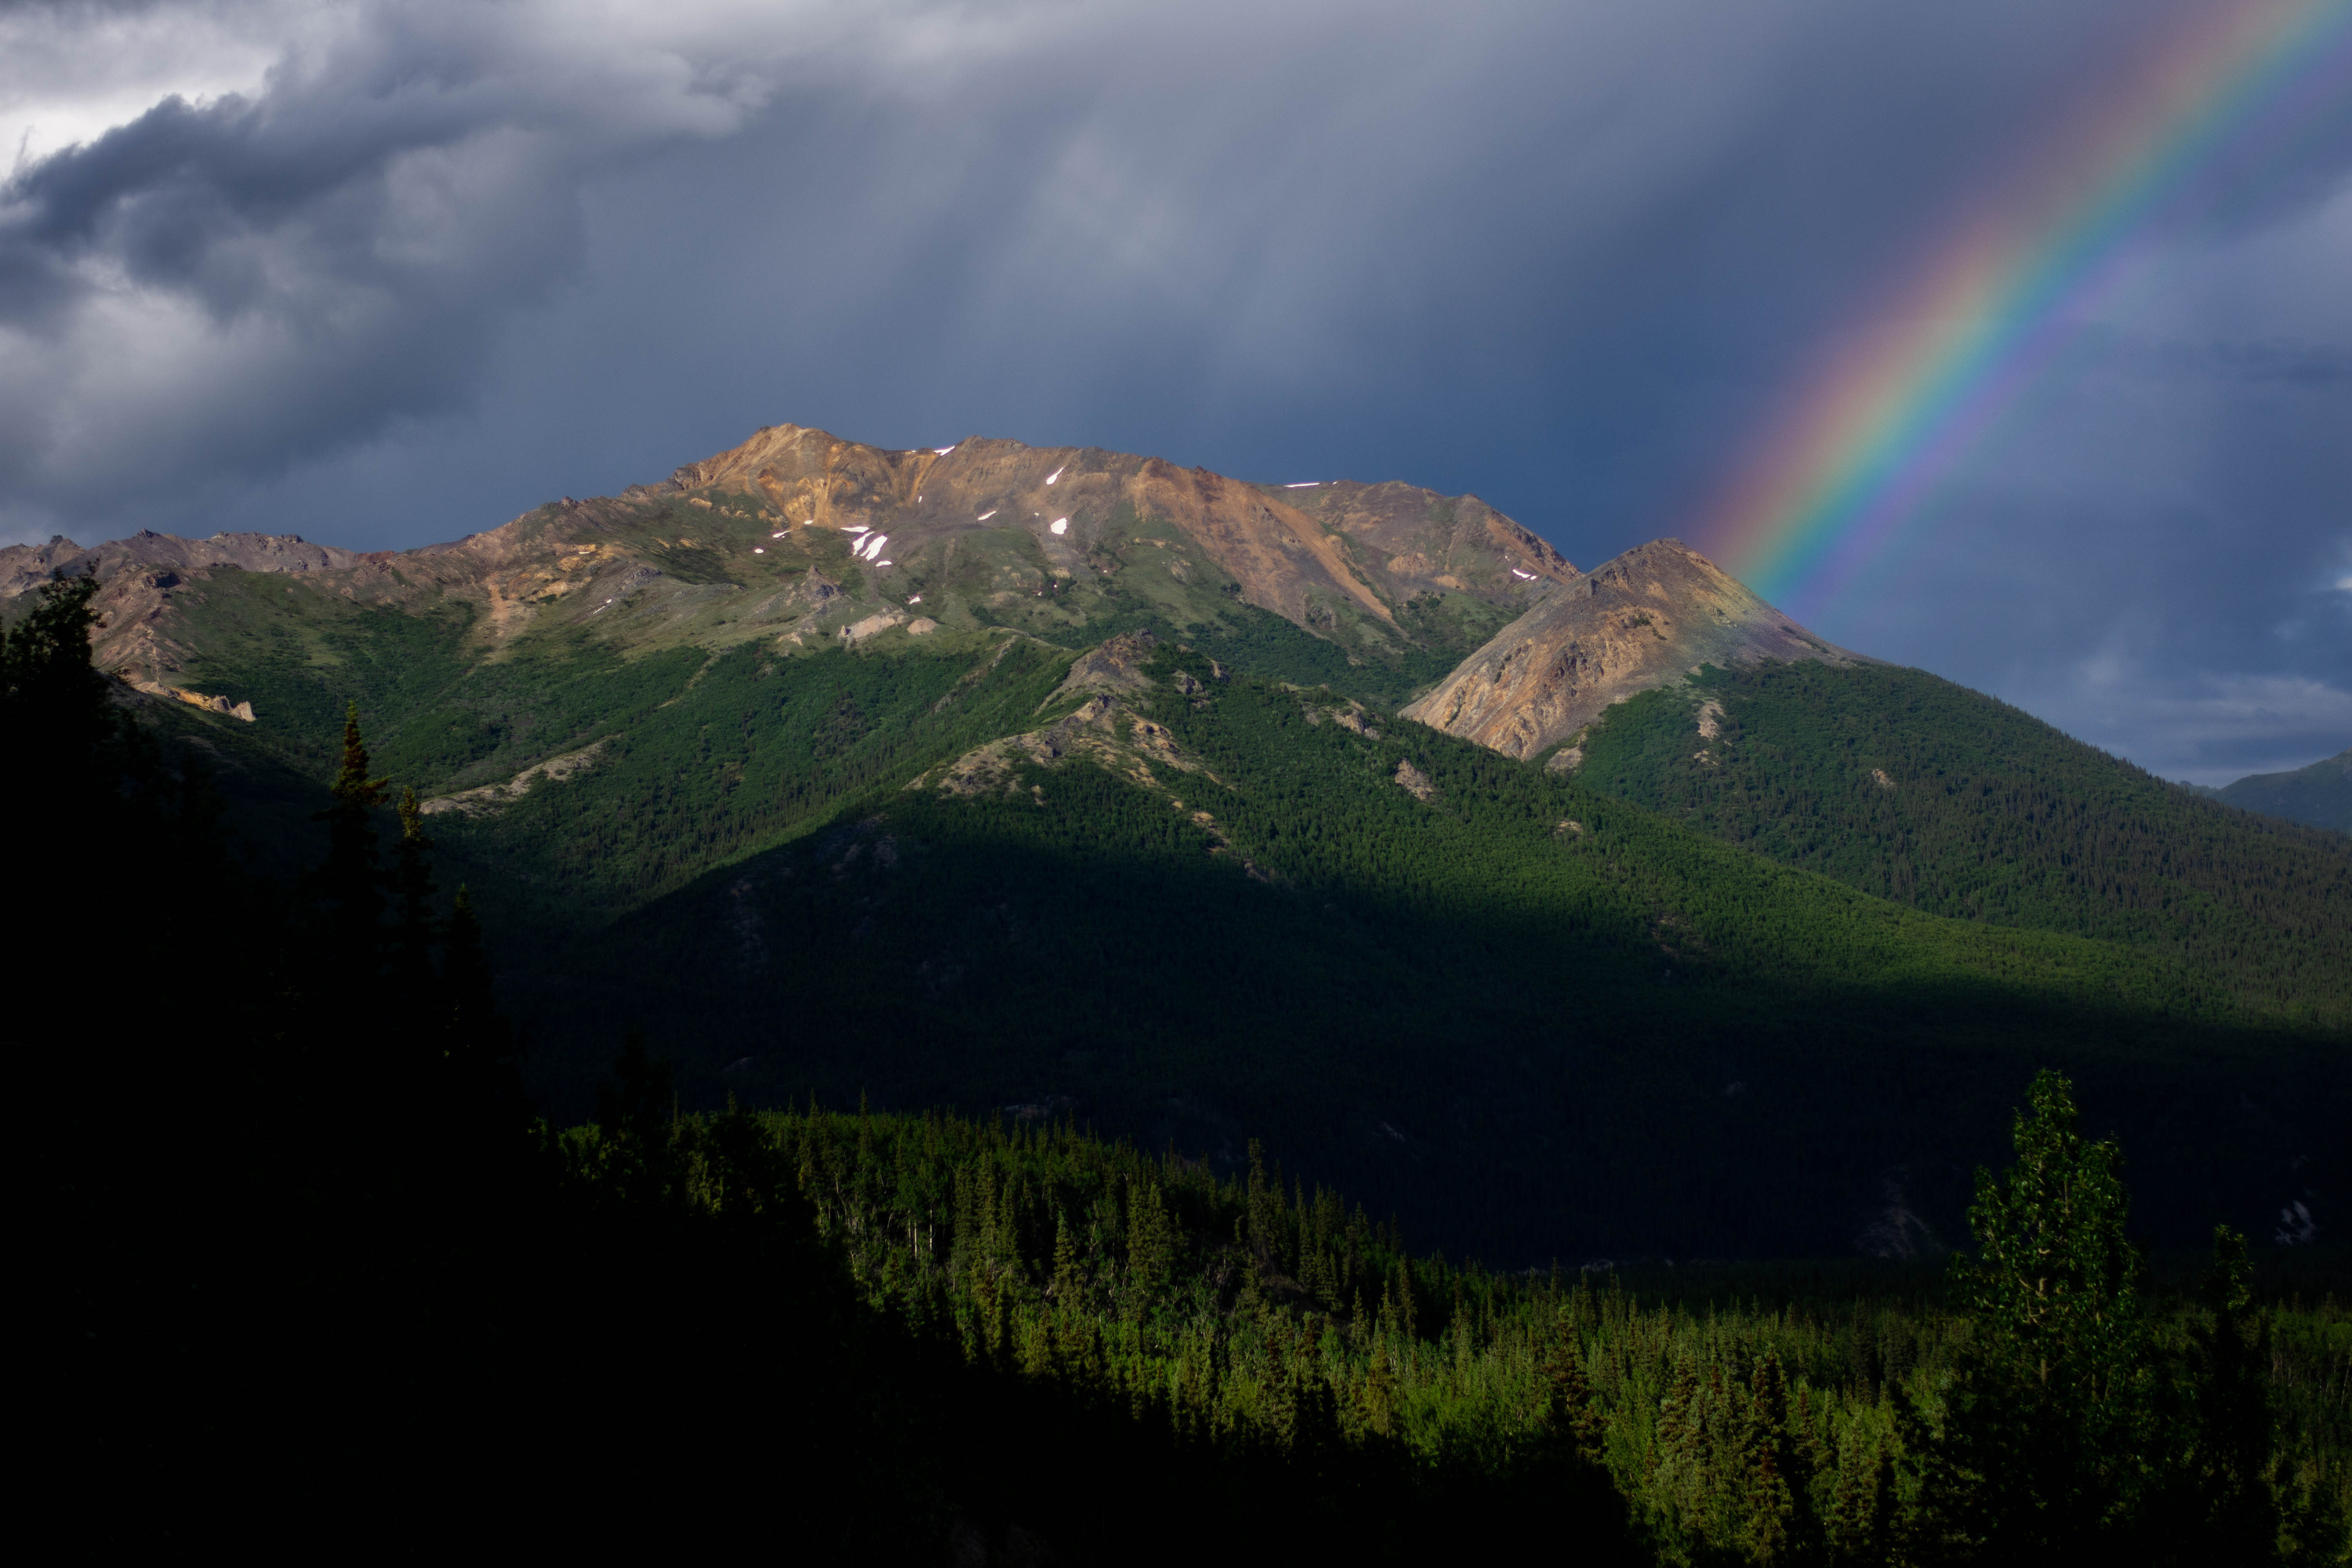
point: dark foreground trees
(2068, 1426)
(309, 1273)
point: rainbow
(1877, 425)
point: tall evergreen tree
(350, 884)
(2233, 1434)
(413, 934)
(1779, 1527)
(1572, 1422)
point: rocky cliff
(1643, 620)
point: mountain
(2320, 795)
(1528, 1018)
(841, 775)
(799, 536)
(604, 623)
(1307, 551)
(1642, 619)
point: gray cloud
(435, 263)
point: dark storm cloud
(444, 262)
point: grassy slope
(1636, 1037)
(1988, 814)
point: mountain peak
(1642, 619)
(1293, 549)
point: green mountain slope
(1916, 790)
(1769, 989)
(2320, 795)
(1528, 1017)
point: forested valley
(313, 1271)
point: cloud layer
(384, 273)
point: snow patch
(873, 547)
(983, 517)
(1306, 485)
(1057, 473)
(943, 452)
(1528, 576)
(1059, 525)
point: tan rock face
(1641, 620)
(1367, 550)
(1372, 545)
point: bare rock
(491, 798)
(873, 626)
(1643, 619)
(1415, 782)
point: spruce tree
(2231, 1456)
(1779, 1524)
(1067, 1288)
(1378, 1403)
(1149, 1248)
(49, 691)
(1572, 1422)
(350, 884)
(412, 924)
(639, 1157)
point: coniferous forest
(312, 1270)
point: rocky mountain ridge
(1283, 545)
(1640, 620)
(804, 537)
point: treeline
(2050, 1409)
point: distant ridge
(2320, 795)
(1643, 620)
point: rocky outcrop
(1646, 618)
(1115, 666)
(25, 567)
(491, 798)
(873, 626)
(210, 704)
(1101, 730)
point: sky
(383, 274)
